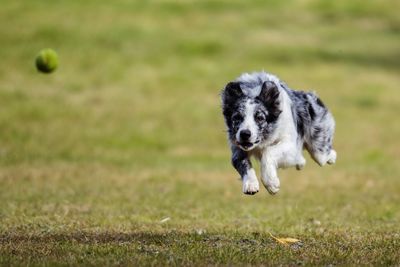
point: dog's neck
(285, 130)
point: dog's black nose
(245, 135)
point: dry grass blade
(165, 220)
(284, 240)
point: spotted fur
(268, 120)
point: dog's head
(250, 119)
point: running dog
(267, 120)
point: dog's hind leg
(322, 158)
(301, 162)
(319, 142)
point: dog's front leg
(269, 174)
(241, 162)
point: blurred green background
(129, 131)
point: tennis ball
(47, 60)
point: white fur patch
(248, 122)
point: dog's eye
(260, 116)
(236, 117)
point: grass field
(129, 132)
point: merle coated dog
(273, 123)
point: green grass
(129, 131)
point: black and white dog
(273, 123)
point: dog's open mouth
(247, 145)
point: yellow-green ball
(47, 61)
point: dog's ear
(269, 95)
(232, 92)
(230, 95)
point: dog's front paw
(250, 183)
(250, 187)
(273, 186)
